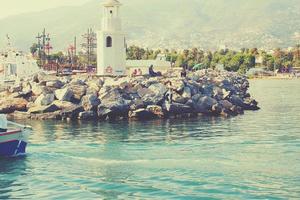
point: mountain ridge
(169, 23)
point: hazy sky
(13, 7)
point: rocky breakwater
(203, 92)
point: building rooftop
(110, 3)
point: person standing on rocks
(3, 123)
(169, 97)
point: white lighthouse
(111, 47)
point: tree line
(231, 60)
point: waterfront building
(111, 47)
(16, 64)
(160, 64)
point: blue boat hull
(13, 143)
(12, 148)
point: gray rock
(217, 109)
(137, 104)
(44, 99)
(64, 94)
(178, 84)
(78, 92)
(72, 112)
(95, 84)
(113, 109)
(55, 84)
(90, 102)
(177, 98)
(9, 105)
(226, 104)
(204, 105)
(196, 97)
(144, 91)
(78, 81)
(37, 89)
(158, 89)
(187, 93)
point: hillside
(170, 23)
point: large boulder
(78, 81)
(179, 98)
(226, 104)
(247, 104)
(55, 84)
(187, 93)
(117, 82)
(90, 102)
(37, 89)
(113, 109)
(158, 89)
(144, 91)
(45, 99)
(217, 109)
(72, 112)
(78, 92)
(95, 84)
(204, 104)
(137, 104)
(64, 94)
(153, 95)
(113, 105)
(250, 104)
(9, 105)
(178, 84)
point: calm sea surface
(253, 156)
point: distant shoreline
(274, 78)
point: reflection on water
(254, 156)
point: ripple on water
(254, 156)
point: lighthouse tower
(111, 47)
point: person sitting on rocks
(3, 123)
(139, 72)
(134, 73)
(152, 73)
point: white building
(111, 47)
(159, 64)
(15, 64)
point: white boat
(13, 142)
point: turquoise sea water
(253, 156)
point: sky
(15, 7)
